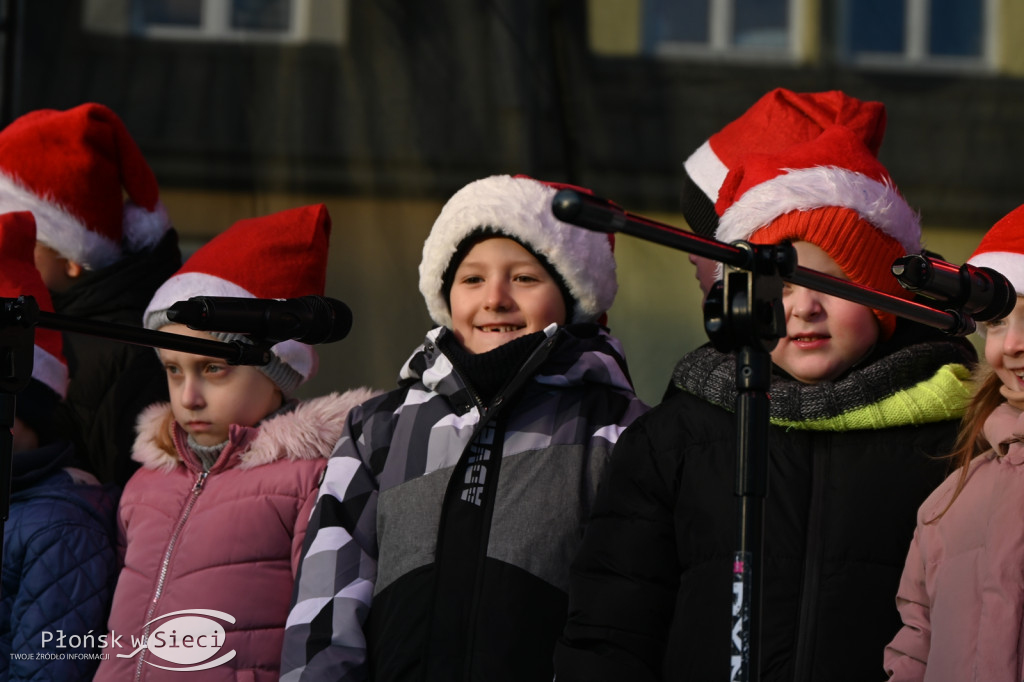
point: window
(735, 27)
(276, 21)
(214, 18)
(923, 32)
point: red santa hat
(520, 208)
(1002, 249)
(72, 169)
(831, 192)
(19, 277)
(282, 255)
(779, 119)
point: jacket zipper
(525, 371)
(196, 489)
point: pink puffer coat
(201, 546)
(961, 596)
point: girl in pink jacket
(213, 522)
(961, 596)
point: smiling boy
(440, 545)
(500, 292)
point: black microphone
(587, 210)
(309, 319)
(982, 293)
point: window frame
(916, 54)
(215, 26)
(721, 44)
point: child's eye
(472, 279)
(992, 324)
(215, 369)
(526, 278)
(172, 369)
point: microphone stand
(744, 315)
(18, 319)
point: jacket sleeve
(624, 580)
(906, 655)
(324, 637)
(66, 588)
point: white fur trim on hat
(142, 229)
(520, 208)
(50, 371)
(183, 287)
(800, 190)
(58, 228)
(299, 356)
(706, 170)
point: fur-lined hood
(309, 431)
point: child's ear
(73, 269)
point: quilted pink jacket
(962, 592)
(199, 546)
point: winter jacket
(112, 382)
(225, 540)
(59, 567)
(848, 463)
(440, 545)
(961, 596)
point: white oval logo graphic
(186, 640)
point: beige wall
(1008, 25)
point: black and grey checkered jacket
(441, 541)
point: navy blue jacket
(59, 568)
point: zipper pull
(199, 482)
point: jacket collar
(920, 383)
(307, 432)
(585, 354)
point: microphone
(982, 293)
(587, 210)
(309, 319)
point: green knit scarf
(919, 384)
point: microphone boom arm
(601, 215)
(24, 312)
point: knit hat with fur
(282, 255)
(519, 207)
(833, 193)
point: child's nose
(192, 395)
(498, 296)
(806, 303)
(1013, 342)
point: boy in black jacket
(860, 405)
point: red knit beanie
(863, 252)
